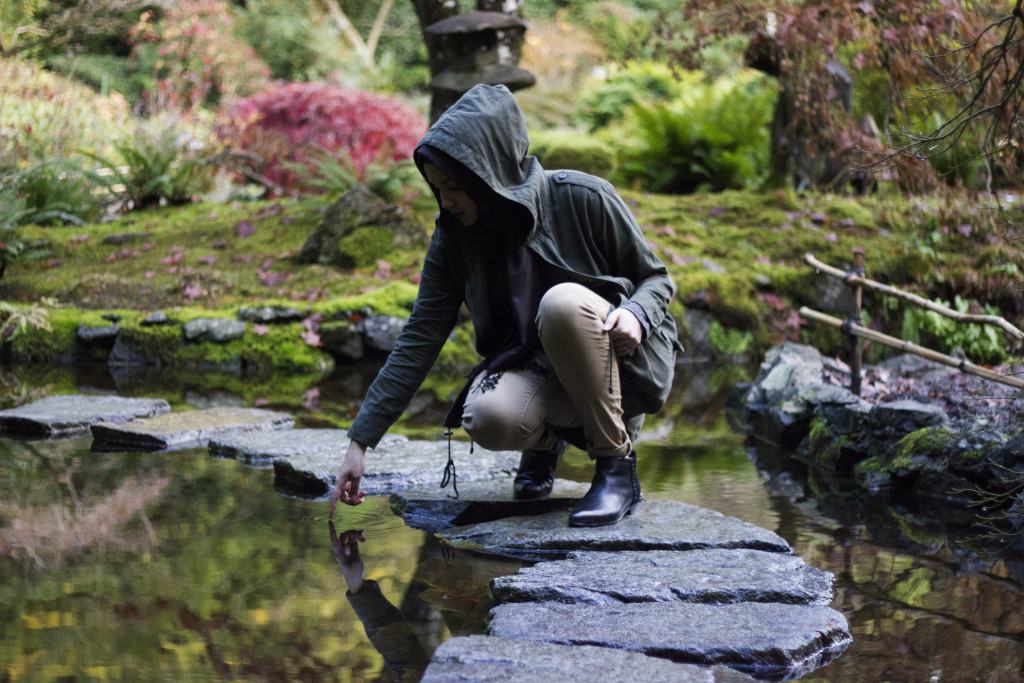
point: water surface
(179, 566)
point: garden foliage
(44, 116)
(289, 122)
(711, 137)
(196, 58)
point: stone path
(64, 415)
(482, 658)
(190, 428)
(672, 592)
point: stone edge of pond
(184, 429)
(70, 414)
(488, 658)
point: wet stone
(157, 318)
(102, 336)
(193, 428)
(270, 314)
(485, 658)
(764, 639)
(907, 416)
(218, 330)
(380, 332)
(433, 509)
(704, 576)
(258, 448)
(68, 414)
(392, 467)
(653, 525)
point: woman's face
(453, 199)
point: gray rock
(125, 354)
(158, 318)
(907, 416)
(706, 576)
(68, 414)
(186, 429)
(432, 509)
(102, 336)
(833, 296)
(342, 340)
(380, 332)
(765, 639)
(218, 330)
(697, 328)
(265, 447)
(361, 212)
(270, 314)
(485, 658)
(392, 467)
(653, 525)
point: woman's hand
(346, 485)
(625, 331)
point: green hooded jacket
(580, 226)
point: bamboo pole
(855, 351)
(872, 335)
(853, 279)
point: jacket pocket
(647, 374)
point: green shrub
(575, 151)
(620, 30)
(728, 342)
(713, 137)
(46, 116)
(981, 343)
(164, 162)
(55, 192)
(958, 161)
(606, 101)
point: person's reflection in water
(386, 627)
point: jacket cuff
(641, 315)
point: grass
(741, 252)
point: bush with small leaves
(291, 123)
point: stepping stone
(192, 428)
(70, 414)
(262, 448)
(392, 467)
(704, 576)
(763, 639)
(433, 509)
(484, 658)
(653, 525)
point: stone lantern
(479, 47)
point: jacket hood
(485, 131)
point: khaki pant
(573, 382)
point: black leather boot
(536, 473)
(612, 495)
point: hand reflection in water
(346, 552)
(386, 627)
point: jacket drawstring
(449, 469)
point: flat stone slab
(433, 509)
(72, 413)
(392, 467)
(192, 428)
(702, 576)
(763, 639)
(485, 658)
(653, 525)
(262, 448)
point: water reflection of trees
(54, 507)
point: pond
(179, 566)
